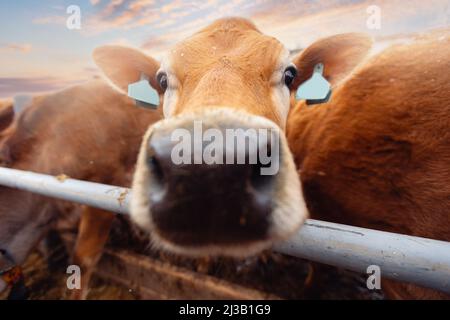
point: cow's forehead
(232, 43)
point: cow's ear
(125, 65)
(339, 54)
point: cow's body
(6, 113)
(378, 154)
(69, 132)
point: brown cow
(378, 154)
(227, 76)
(87, 132)
(230, 75)
(6, 113)
(220, 77)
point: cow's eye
(289, 75)
(162, 80)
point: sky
(39, 53)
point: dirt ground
(270, 272)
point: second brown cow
(87, 132)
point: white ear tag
(316, 89)
(143, 93)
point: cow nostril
(260, 181)
(156, 170)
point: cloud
(126, 15)
(113, 7)
(297, 23)
(16, 47)
(120, 14)
(156, 42)
(179, 14)
(121, 42)
(140, 4)
(171, 6)
(55, 19)
(10, 86)
(157, 25)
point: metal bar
(400, 257)
(111, 198)
(417, 260)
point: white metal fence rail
(417, 260)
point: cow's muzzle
(219, 182)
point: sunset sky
(39, 53)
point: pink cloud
(17, 47)
(10, 86)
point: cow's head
(228, 79)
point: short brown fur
(88, 132)
(378, 154)
(229, 56)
